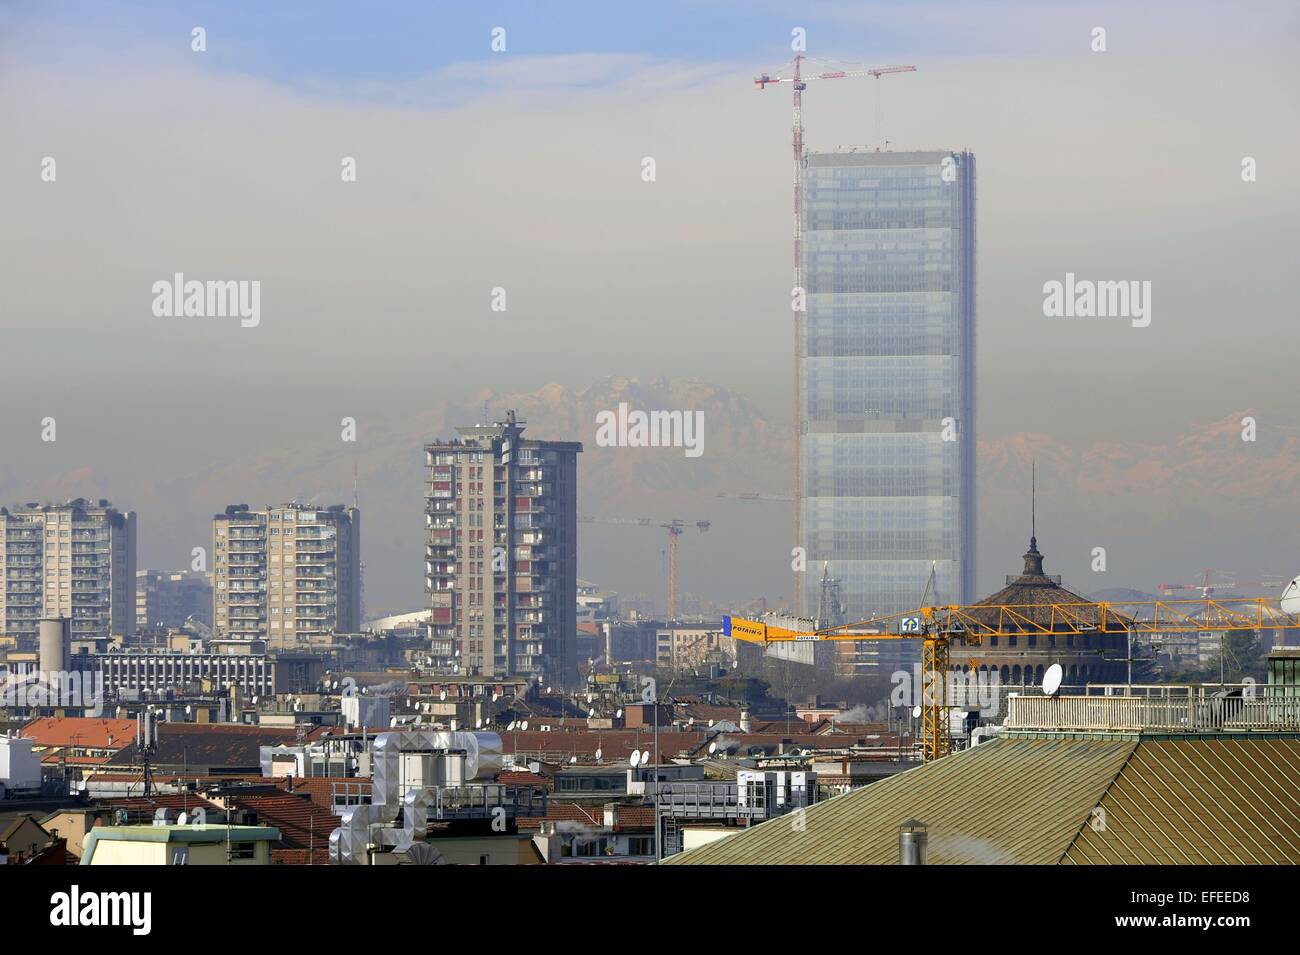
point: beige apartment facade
(289, 574)
(75, 560)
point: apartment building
(289, 574)
(165, 598)
(74, 560)
(501, 559)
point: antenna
(1033, 500)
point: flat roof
(212, 833)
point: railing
(1192, 713)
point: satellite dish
(523, 725)
(599, 752)
(188, 710)
(713, 748)
(635, 758)
(511, 726)
(1052, 679)
(572, 760)
(618, 715)
(442, 695)
(478, 725)
(710, 724)
(916, 712)
(393, 722)
(588, 697)
(254, 701)
(691, 721)
(591, 713)
(1291, 597)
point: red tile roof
(302, 823)
(514, 777)
(81, 732)
(634, 817)
(320, 789)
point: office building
(289, 574)
(501, 559)
(887, 400)
(74, 560)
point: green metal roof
(1007, 801)
(1225, 800)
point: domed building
(1020, 659)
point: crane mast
(799, 83)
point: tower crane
(940, 626)
(799, 82)
(674, 527)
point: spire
(1033, 505)
(1033, 559)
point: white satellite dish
(713, 748)
(1052, 679)
(635, 758)
(618, 715)
(916, 712)
(523, 725)
(478, 725)
(588, 697)
(691, 721)
(572, 760)
(1291, 597)
(599, 752)
(442, 695)
(511, 726)
(710, 724)
(393, 722)
(591, 713)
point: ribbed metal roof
(1207, 800)
(1203, 801)
(1013, 800)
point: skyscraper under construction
(887, 396)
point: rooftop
(1083, 799)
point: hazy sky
(522, 170)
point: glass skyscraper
(887, 398)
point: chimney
(912, 838)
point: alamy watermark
(651, 429)
(1085, 298)
(212, 299)
(964, 690)
(74, 689)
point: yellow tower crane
(939, 627)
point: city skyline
(685, 277)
